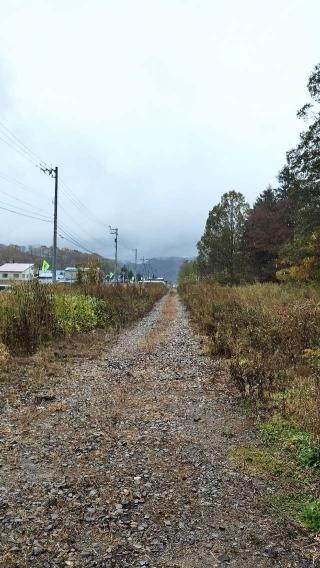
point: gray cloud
(151, 110)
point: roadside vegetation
(254, 290)
(269, 337)
(32, 314)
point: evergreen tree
(300, 178)
(268, 228)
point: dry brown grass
(264, 331)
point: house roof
(15, 267)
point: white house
(16, 271)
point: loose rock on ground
(123, 461)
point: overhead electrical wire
(26, 215)
(20, 144)
(15, 143)
(81, 206)
(26, 203)
(74, 240)
(24, 210)
(24, 186)
(78, 225)
(66, 235)
(24, 155)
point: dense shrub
(33, 313)
(27, 317)
(75, 313)
(271, 335)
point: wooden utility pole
(55, 227)
(116, 233)
(135, 262)
(53, 172)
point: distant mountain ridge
(167, 267)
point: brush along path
(122, 461)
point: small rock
(224, 558)
(86, 554)
(37, 550)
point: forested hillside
(65, 257)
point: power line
(7, 132)
(26, 215)
(78, 225)
(24, 155)
(17, 199)
(8, 137)
(78, 203)
(74, 236)
(69, 237)
(22, 185)
(24, 210)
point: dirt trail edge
(123, 461)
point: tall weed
(27, 317)
(32, 313)
(271, 335)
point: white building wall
(23, 276)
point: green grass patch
(288, 505)
(290, 456)
(291, 441)
(265, 462)
(310, 516)
(248, 407)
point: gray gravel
(122, 461)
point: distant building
(16, 271)
(70, 274)
(46, 277)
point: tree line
(279, 237)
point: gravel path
(123, 461)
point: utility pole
(149, 266)
(116, 233)
(55, 227)
(135, 262)
(143, 264)
(53, 172)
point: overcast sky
(151, 109)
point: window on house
(16, 275)
(4, 275)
